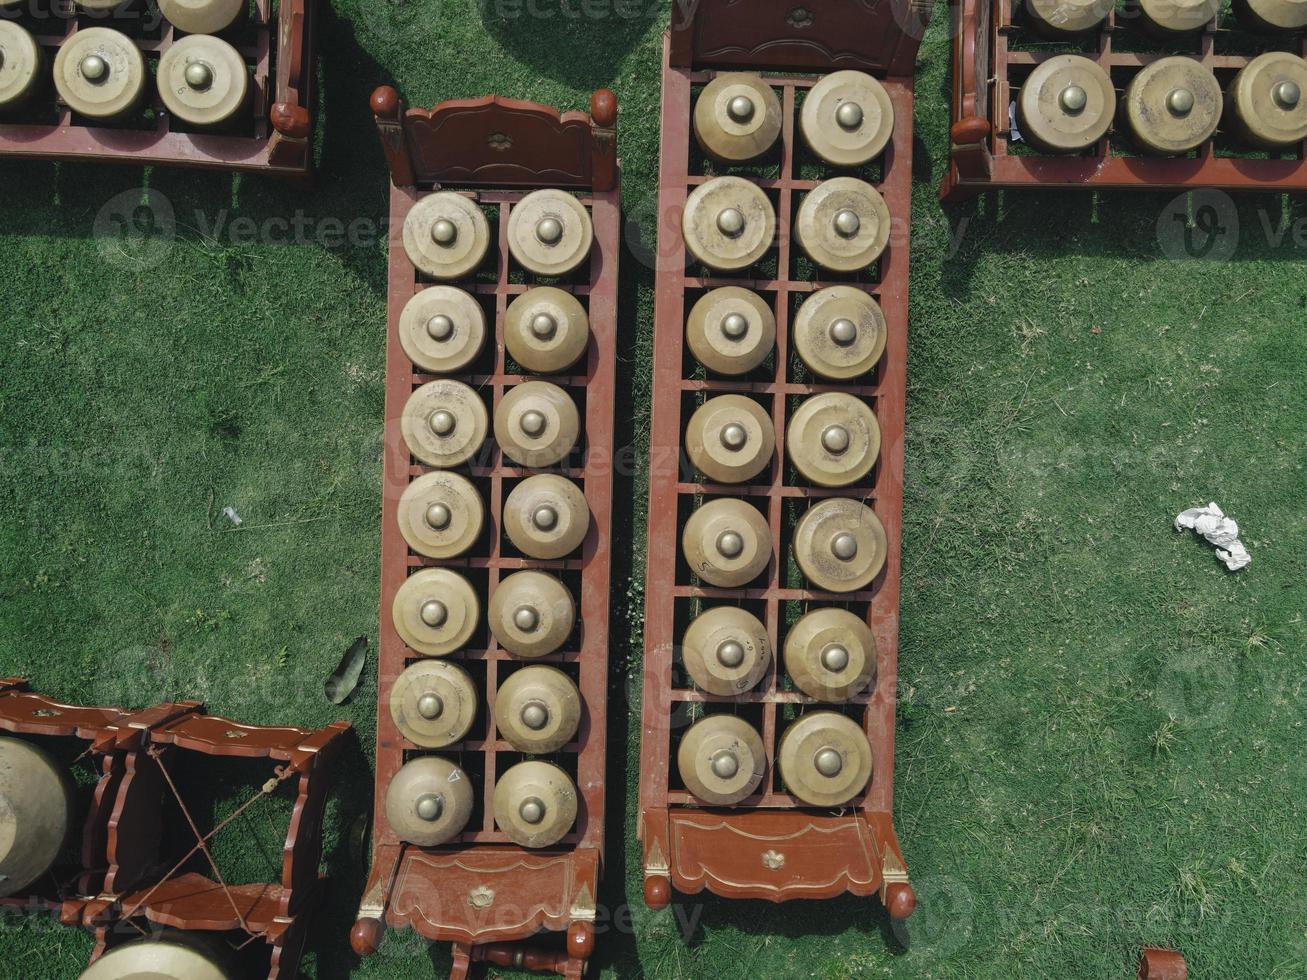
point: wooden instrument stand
(992, 55)
(482, 892)
(126, 882)
(771, 845)
(275, 134)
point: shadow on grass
(342, 211)
(346, 853)
(1182, 232)
(578, 44)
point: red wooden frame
(278, 139)
(113, 738)
(771, 846)
(987, 71)
(123, 883)
(495, 150)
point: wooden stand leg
(970, 160)
(657, 892)
(370, 925)
(287, 950)
(462, 962)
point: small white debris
(1211, 523)
(231, 515)
(1015, 135)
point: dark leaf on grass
(341, 684)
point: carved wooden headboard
(876, 36)
(499, 142)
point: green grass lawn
(1101, 730)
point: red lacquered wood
(1162, 964)
(770, 846)
(987, 73)
(122, 866)
(114, 737)
(482, 889)
(276, 140)
(498, 142)
(876, 36)
(365, 936)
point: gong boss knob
(99, 73)
(1169, 17)
(847, 118)
(429, 801)
(201, 16)
(538, 709)
(830, 654)
(546, 330)
(20, 63)
(446, 235)
(726, 651)
(535, 804)
(824, 759)
(1058, 18)
(531, 614)
(1066, 105)
(174, 958)
(435, 611)
(731, 330)
(546, 516)
(1268, 100)
(726, 543)
(536, 424)
(36, 806)
(1173, 106)
(728, 223)
(1273, 15)
(843, 224)
(840, 333)
(550, 232)
(442, 329)
(840, 545)
(440, 515)
(444, 423)
(203, 80)
(833, 439)
(730, 439)
(433, 703)
(737, 117)
(721, 759)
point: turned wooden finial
(290, 120)
(580, 940)
(900, 900)
(969, 130)
(385, 103)
(365, 937)
(603, 108)
(657, 892)
(1162, 964)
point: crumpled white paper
(1015, 133)
(231, 515)
(1211, 523)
